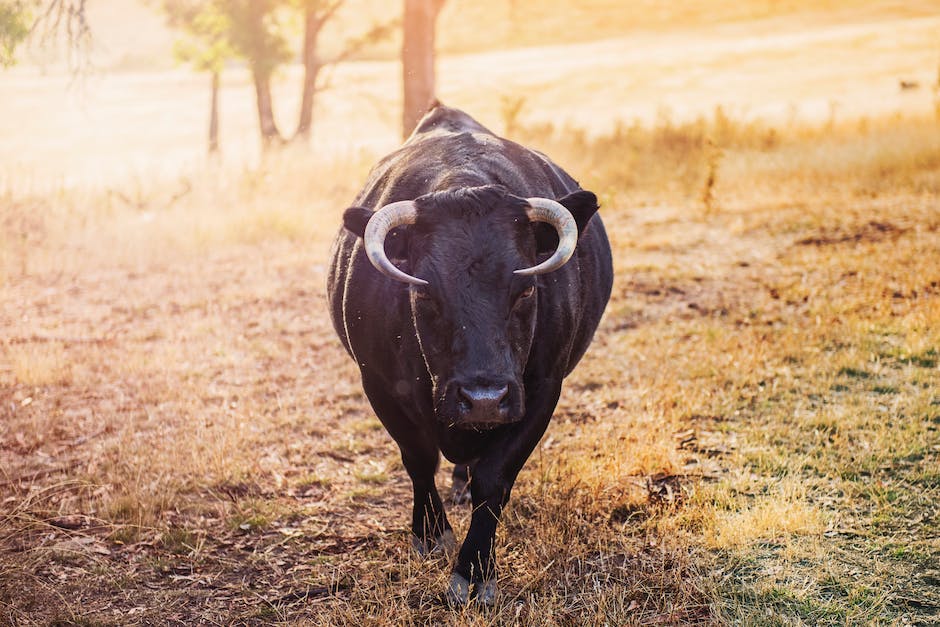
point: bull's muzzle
(484, 406)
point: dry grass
(39, 365)
(752, 439)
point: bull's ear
(582, 205)
(355, 219)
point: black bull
(471, 364)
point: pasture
(753, 437)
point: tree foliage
(259, 32)
(215, 30)
(15, 18)
(205, 31)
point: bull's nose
(483, 404)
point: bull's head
(472, 257)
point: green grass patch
(854, 373)
(927, 359)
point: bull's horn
(554, 213)
(381, 222)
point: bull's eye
(527, 292)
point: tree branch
(49, 24)
(331, 10)
(354, 46)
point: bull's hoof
(460, 591)
(486, 593)
(444, 543)
(460, 492)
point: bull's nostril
(464, 402)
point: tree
(316, 14)
(259, 32)
(216, 30)
(205, 45)
(259, 36)
(46, 21)
(417, 60)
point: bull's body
(375, 320)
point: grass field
(753, 438)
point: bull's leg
(474, 574)
(460, 484)
(429, 526)
(431, 532)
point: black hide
(470, 365)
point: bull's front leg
(474, 574)
(431, 532)
(492, 478)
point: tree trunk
(312, 24)
(214, 116)
(269, 132)
(261, 70)
(417, 56)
